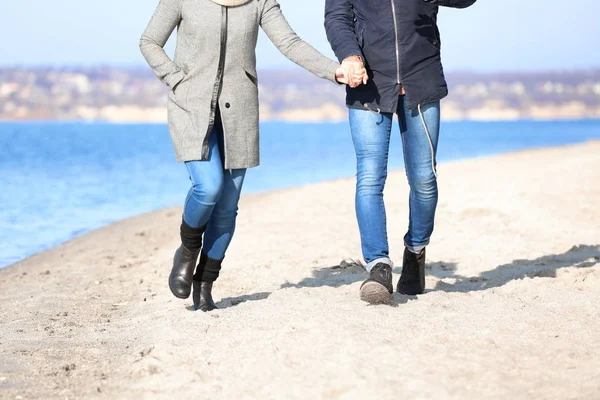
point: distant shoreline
(298, 121)
(122, 95)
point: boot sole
(375, 293)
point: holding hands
(352, 72)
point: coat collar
(231, 3)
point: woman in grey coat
(213, 116)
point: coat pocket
(252, 76)
(180, 93)
(178, 121)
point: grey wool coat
(215, 65)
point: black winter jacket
(400, 43)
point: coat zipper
(397, 50)
(217, 86)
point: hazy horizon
(293, 67)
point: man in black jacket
(398, 42)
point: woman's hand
(341, 76)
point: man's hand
(356, 73)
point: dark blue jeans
(371, 136)
(213, 198)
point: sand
(512, 308)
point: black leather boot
(203, 296)
(412, 280)
(206, 274)
(184, 261)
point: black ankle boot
(203, 296)
(206, 274)
(412, 280)
(184, 261)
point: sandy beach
(512, 308)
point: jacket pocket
(435, 33)
(436, 38)
(360, 37)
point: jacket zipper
(217, 86)
(397, 50)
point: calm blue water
(59, 180)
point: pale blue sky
(492, 35)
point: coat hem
(355, 105)
(434, 98)
(182, 158)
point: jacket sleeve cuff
(331, 69)
(173, 79)
(349, 51)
